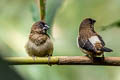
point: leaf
(8, 73)
(52, 8)
(35, 12)
(114, 24)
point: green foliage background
(17, 16)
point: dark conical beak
(46, 27)
(93, 21)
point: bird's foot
(87, 55)
(49, 58)
(91, 57)
(103, 57)
(33, 57)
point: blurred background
(64, 17)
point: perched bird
(89, 41)
(39, 43)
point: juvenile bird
(39, 43)
(89, 41)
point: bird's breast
(44, 49)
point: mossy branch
(64, 60)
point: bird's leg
(91, 57)
(103, 57)
(33, 57)
(87, 55)
(49, 58)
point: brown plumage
(89, 41)
(39, 43)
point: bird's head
(87, 23)
(40, 27)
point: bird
(89, 41)
(39, 43)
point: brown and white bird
(89, 41)
(39, 43)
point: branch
(64, 60)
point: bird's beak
(46, 27)
(94, 21)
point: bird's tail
(105, 49)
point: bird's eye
(40, 25)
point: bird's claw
(49, 58)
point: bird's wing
(97, 42)
(102, 42)
(86, 44)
